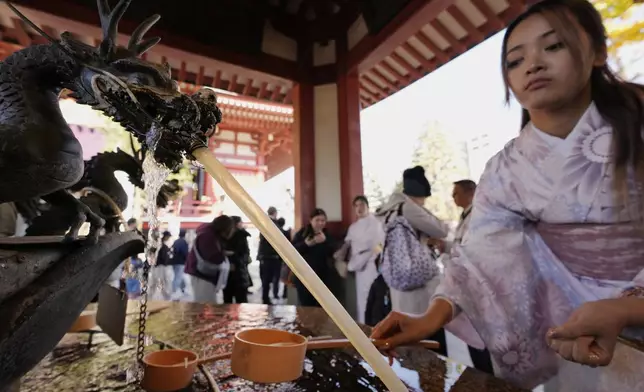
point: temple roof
(258, 48)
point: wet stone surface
(209, 330)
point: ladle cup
(259, 355)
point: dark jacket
(180, 251)
(265, 250)
(238, 244)
(317, 256)
(210, 247)
(165, 255)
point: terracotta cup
(84, 322)
(172, 370)
(255, 352)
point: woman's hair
(222, 225)
(308, 230)
(619, 102)
(361, 198)
(317, 212)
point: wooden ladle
(253, 358)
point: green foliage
(623, 27)
(445, 161)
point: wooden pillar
(303, 151)
(303, 148)
(349, 132)
(326, 143)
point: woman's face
(318, 223)
(361, 208)
(541, 70)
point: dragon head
(140, 95)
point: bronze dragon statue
(46, 284)
(101, 182)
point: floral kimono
(547, 234)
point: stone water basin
(208, 330)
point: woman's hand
(590, 334)
(319, 238)
(400, 329)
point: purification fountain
(47, 281)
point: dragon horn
(109, 23)
(136, 44)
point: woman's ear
(601, 57)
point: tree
(623, 27)
(373, 191)
(445, 161)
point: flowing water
(154, 176)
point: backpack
(406, 263)
(378, 301)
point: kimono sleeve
(495, 244)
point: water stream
(154, 176)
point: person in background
(416, 190)
(317, 248)
(180, 251)
(132, 224)
(557, 218)
(238, 279)
(161, 274)
(276, 279)
(463, 195)
(210, 245)
(269, 262)
(362, 245)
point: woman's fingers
(387, 327)
(581, 351)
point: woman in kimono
(557, 219)
(363, 243)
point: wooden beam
(493, 22)
(19, 33)
(456, 45)
(276, 92)
(182, 72)
(438, 52)
(473, 34)
(404, 79)
(232, 84)
(392, 87)
(425, 63)
(217, 82)
(413, 72)
(372, 85)
(199, 78)
(248, 86)
(262, 90)
(373, 48)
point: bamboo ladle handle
(324, 344)
(343, 343)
